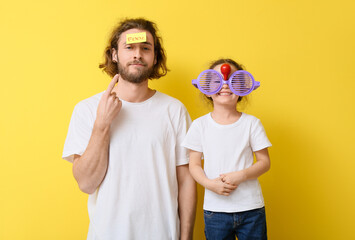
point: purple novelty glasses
(210, 82)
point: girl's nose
(225, 85)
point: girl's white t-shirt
(228, 148)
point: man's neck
(133, 92)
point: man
(125, 145)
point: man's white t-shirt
(138, 199)
(228, 148)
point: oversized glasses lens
(242, 83)
(209, 82)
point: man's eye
(128, 47)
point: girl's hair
(222, 61)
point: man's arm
(187, 201)
(90, 169)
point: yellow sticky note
(136, 37)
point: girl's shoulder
(249, 117)
(251, 121)
(202, 119)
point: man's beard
(140, 76)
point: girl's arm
(216, 185)
(261, 166)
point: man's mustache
(137, 62)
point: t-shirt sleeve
(258, 139)
(184, 124)
(192, 139)
(79, 133)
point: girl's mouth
(224, 94)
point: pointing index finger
(111, 85)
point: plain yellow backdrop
(301, 51)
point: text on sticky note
(136, 37)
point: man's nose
(138, 53)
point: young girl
(227, 139)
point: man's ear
(114, 55)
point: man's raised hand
(109, 106)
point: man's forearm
(90, 169)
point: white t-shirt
(228, 148)
(138, 199)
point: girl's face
(225, 96)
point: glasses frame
(196, 82)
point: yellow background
(301, 51)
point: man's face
(136, 60)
